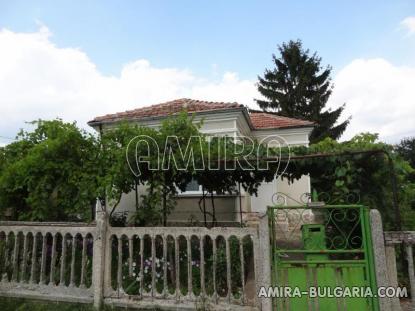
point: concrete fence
(167, 267)
(29, 261)
(385, 246)
(406, 241)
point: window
(193, 186)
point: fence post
(392, 273)
(410, 259)
(379, 253)
(99, 258)
(263, 261)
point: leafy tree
(406, 149)
(299, 87)
(355, 171)
(174, 139)
(115, 176)
(49, 173)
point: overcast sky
(80, 59)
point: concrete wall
(294, 190)
(187, 209)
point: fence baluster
(228, 269)
(43, 260)
(83, 261)
(53, 261)
(177, 266)
(142, 266)
(241, 254)
(63, 262)
(130, 257)
(6, 258)
(119, 270)
(72, 280)
(24, 255)
(34, 251)
(410, 258)
(108, 262)
(189, 266)
(153, 265)
(202, 267)
(15, 257)
(215, 294)
(165, 291)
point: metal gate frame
(365, 252)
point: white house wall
(267, 191)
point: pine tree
(299, 87)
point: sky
(80, 59)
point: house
(227, 119)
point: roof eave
(94, 123)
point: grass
(18, 304)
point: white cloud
(40, 80)
(379, 96)
(409, 24)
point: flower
(134, 264)
(134, 274)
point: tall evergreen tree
(299, 87)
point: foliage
(163, 183)
(299, 87)
(115, 176)
(151, 211)
(406, 148)
(49, 173)
(57, 171)
(178, 136)
(363, 175)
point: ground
(406, 304)
(12, 304)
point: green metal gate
(325, 251)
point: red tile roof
(264, 120)
(167, 108)
(259, 120)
